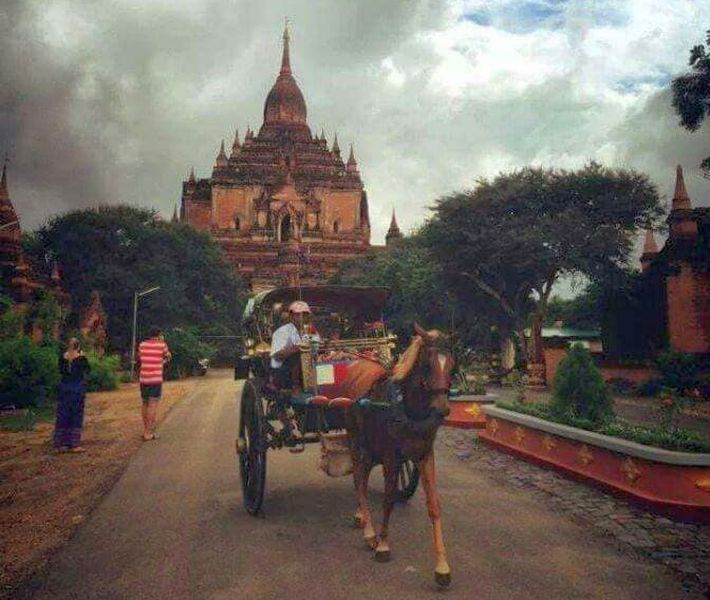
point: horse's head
(428, 364)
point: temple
(668, 307)
(285, 207)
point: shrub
(579, 389)
(621, 386)
(29, 373)
(679, 371)
(103, 375)
(651, 388)
(186, 349)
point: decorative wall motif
(585, 455)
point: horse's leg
(442, 571)
(365, 466)
(389, 470)
(355, 454)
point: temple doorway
(285, 230)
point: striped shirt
(151, 353)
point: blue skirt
(70, 414)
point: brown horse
(420, 381)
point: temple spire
(4, 194)
(221, 157)
(649, 243)
(681, 200)
(191, 179)
(175, 214)
(286, 55)
(650, 250)
(236, 145)
(336, 147)
(352, 164)
(393, 233)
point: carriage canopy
(359, 303)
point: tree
(419, 292)
(117, 250)
(581, 312)
(691, 92)
(513, 237)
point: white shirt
(283, 337)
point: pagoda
(285, 207)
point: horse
(418, 389)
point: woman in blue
(73, 368)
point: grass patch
(26, 419)
(676, 439)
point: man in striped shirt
(153, 353)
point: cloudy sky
(107, 102)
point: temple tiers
(285, 208)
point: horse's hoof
(371, 542)
(357, 522)
(382, 556)
(443, 580)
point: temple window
(336, 227)
(236, 223)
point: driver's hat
(299, 306)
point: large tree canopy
(118, 250)
(419, 292)
(513, 237)
(691, 92)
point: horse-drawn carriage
(345, 325)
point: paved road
(173, 528)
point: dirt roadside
(44, 496)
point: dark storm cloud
(114, 101)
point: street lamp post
(137, 295)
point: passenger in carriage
(285, 344)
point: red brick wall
(199, 215)
(688, 310)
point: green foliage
(676, 439)
(691, 91)
(47, 313)
(511, 238)
(104, 372)
(581, 312)
(11, 322)
(411, 273)
(579, 389)
(26, 419)
(679, 371)
(186, 349)
(118, 250)
(29, 373)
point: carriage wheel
(251, 448)
(407, 480)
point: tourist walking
(73, 367)
(153, 353)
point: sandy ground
(45, 495)
(173, 527)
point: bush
(621, 386)
(103, 375)
(29, 373)
(651, 388)
(679, 371)
(579, 389)
(186, 349)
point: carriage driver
(284, 344)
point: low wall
(635, 374)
